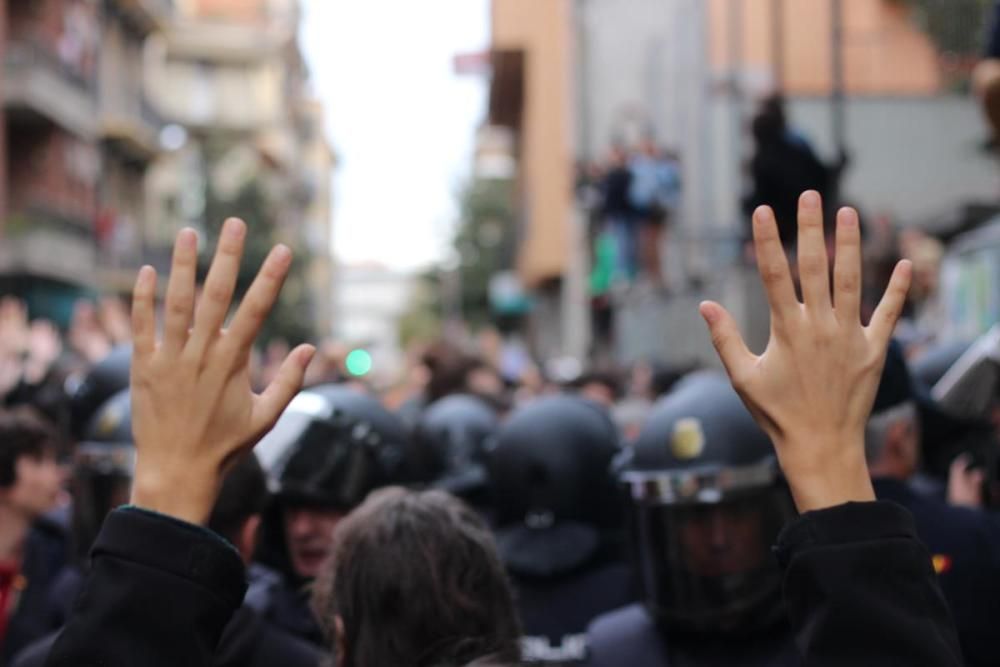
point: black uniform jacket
(859, 587)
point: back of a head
(415, 579)
(244, 494)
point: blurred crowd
(543, 459)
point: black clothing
(859, 588)
(616, 187)
(287, 607)
(45, 552)
(965, 549)
(248, 641)
(555, 611)
(782, 168)
(630, 637)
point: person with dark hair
(784, 164)
(858, 585)
(619, 215)
(248, 640)
(415, 579)
(30, 483)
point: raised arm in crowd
(414, 578)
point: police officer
(558, 521)
(102, 476)
(706, 502)
(90, 390)
(448, 450)
(331, 447)
(964, 542)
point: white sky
(400, 120)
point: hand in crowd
(813, 387)
(194, 411)
(965, 483)
(86, 335)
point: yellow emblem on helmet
(688, 439)
(110, 420)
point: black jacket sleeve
(159, 593)
(861, 590)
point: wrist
(825, 475)
(188, 495)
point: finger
(144, 312)
(727, 340)
(180, 291)
(814, 269)
(217, 294)
(891, 306)
(847, 267)
(259, 299)
(773, 265)
(283, 388)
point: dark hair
(606, 378)
(244, 493)
(23, 432)
(415, 579)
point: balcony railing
(38, 81)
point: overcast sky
(400, 120)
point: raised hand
(813, 388)
(193, 409)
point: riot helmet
(103, 467)
(331, 447)
(557, 507)
(448, 448)
(90, 390)
(706, 502)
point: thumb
(726, 338)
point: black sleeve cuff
(850, 522)
(176, 547)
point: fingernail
(282, 253)
(306, 357)
(145, 277)
(235, 228)
(847, 217)
(706, 310)
(810, 200)
(762, 213)
(187, 238)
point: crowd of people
(468, 520)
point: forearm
(860, 589)
(159, 592)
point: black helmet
(706, 504)
(331, 447)
(103, 466)
(555, 499)
(89, 391)
(448, 449)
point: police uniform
(706, 502)
(558, 521)
(331, 447)
(448, 450)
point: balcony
(147, 15)
(132, 127)
(34, 246)
(38, 85)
